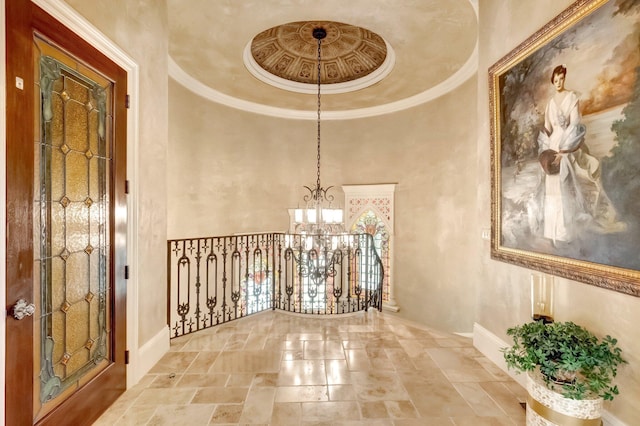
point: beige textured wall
(503, 291)
(233, 171)
(139, 27)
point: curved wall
(232, 171)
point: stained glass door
(71, 223)
(69, 197)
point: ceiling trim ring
(401, 84)
(468, 70)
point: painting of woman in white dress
(573, 197)
(565, 108)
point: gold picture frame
(565, 155)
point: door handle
(23, 309)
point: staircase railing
(215, 280)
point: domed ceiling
(290, 52)
(379, 57)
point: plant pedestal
(546, 407)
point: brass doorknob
(23, 309)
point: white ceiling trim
(467, 71)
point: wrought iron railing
(215, 280)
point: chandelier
(319, 217)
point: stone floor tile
(258, 406)
(240, 380)
(225, 395)
(378, 386)
(201, 380)
(506, 399)
(450, 358)
(484, 421)
(265, 379)
(226, 414)
(438, 400)
(320, 349)
(195, 414)
(481, 403)
(341, 393)
(293, 355)
(358, 360)
(302, 372)
(330, 411)
(301, 393)
(424, 421)
(368, 369)
(286, 413)
(206, 342)
(494, 370)
(164, 396)
(363, 422)
(203, 362)
(247, 362)
(255, 341)
(467, 374)
(174, 362)
(401, 409)
(337, 371)
(373, 410)
(165, 380)
(136, 416)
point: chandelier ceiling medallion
(319, 217)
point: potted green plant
(567, 362)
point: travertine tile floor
(370, 368)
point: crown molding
(465, 72)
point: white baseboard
(610, 420)
(390, 308)
(489, 345)
(147, 356)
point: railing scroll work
(215, 280)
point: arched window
(370, 209)
(370, 223)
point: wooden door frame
(24, 19)
(75, 22)
(86, 31)
(3, 206)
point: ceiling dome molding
(435, 51)
(329, 89)
(468, 70)
(286, 56)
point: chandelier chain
(319, 218)
(319, 83)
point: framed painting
(565, 147)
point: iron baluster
(212, 263)
(224, 277)
(235, 276)
(184, 307)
